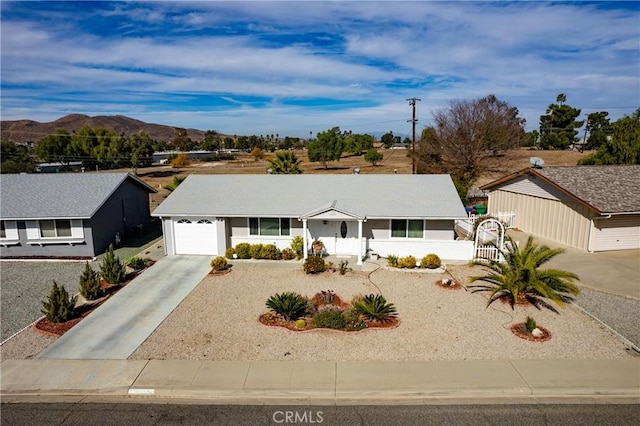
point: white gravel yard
(219, 321)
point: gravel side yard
(218, 321)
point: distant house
(351, 214)
(69, 214)
(59, 167)
(592, 208)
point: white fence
(465, 226)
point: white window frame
(56, 228)
(10, 230)
(34, 233)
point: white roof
(363, 196)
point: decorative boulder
(537, 333)
(446, 281)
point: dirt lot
(395, 160)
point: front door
(345, 237)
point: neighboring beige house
(592, 208)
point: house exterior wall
(29, 243)
(562, 221)
(126, 209)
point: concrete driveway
(614, 272)
(122, 323)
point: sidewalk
(334, 383)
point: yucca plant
(375, 308)
(290, 305)
(519, 277)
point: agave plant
(375, 307)
(290, 305)
(519, 277)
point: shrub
(297, 245)
(343, 267)
(255, 251)
(180, 161)
(301, 323)
(392, 260)
(288, 254)
(112, 270)
(330, 319)
(229, 252)
(407, 262)
(58, 307)
(376, 308)
(289, 304)
(530, 324)
(219, 263)
(90, 284)
(431, 261)
(313, 264)
(242, 250)
(136, 263)
(354, 323)
(270, 251)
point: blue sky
(297, 67)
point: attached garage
(592, 208)
(617, 233)
(195, 236)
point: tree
(181, 140)
(15, 158)
(257, 153)
(112, 270)
(328, 146)
(389, 140)
(519, 278)
(623, 147)
(140, 145)
(357, 143)
(599, 127)
(54, 148)
(175, 182)
(211, 141)
(373, 156)
(181, 160)
(558, 127)
(89, 283)
(58, 307)
(466, 132)
(286, 163)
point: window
(184, 221)
(269, 226)
(3, 231)
(55, 228)
(407, 228)
(202, 221)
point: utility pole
(412, 102)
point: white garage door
(195, 236)
(617, 233)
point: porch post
(305, 251)
(359, 242)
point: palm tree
(519, 278)
(177, 180)
(285, 162)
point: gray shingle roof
(605, 189)
(610, 189)
(64, 195)
(373, 196)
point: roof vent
(536, 162)
(356, 171)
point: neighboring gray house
(351, 214)
(69, 214)
(592, 208)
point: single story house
(69, 214)
(592, 208)
(351, 214)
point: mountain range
(25, 131)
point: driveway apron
(122, 323)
